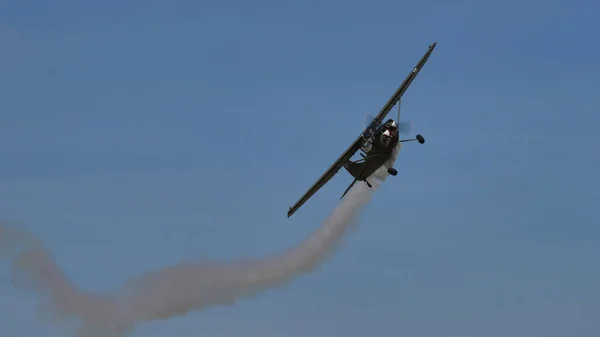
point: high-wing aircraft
(376, 143)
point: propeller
(403, 127)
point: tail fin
(354, 168)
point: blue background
(135, 134)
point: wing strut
(398, 119)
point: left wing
(333, 169)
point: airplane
(376, 143)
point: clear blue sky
(135, 134)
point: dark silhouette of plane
(376, 143)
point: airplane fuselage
(377, 149)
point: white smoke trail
(182, 288)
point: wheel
(392, 171)
(420, 139)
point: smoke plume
(182, 288)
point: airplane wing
(407, 81)
(333, 169)
(345, 157)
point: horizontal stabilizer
(349, 187)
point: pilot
(390, 132)
(393, 128)
(386, 138)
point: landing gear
(392, 171)
(420, 139)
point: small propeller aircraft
(376, 142)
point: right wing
(345, 157)
(333, 169)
